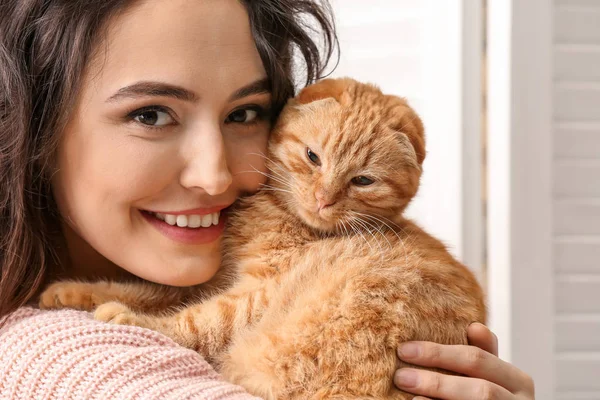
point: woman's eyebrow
(257, 87)
(153, 89)
(160, 89)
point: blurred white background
(509, 91)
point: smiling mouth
(192, 221)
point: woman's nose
(206, 162)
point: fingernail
(408, 350)
(406, 378)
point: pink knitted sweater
(68, 355)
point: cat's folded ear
(408, 122)
(325, 89)
(413, 128)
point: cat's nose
(322, 204)
(323, 200)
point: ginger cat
(325, 276)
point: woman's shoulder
(66, 354)
(47, 327)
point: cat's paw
(117, 313)
(75, 295)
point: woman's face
(168, 131)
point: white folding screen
(576, 197)
(519, 153)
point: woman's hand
(487, 376)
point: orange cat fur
(328, 276)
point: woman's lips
(188, 231)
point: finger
(479, 335)
(466, 360)
(448, 387)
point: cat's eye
(313, 157)
(362, 181)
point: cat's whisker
(265, 186)
(403, 230)
(347, 226)
(269, 176)
(275, 178)
(366, 227)
(250, 172)
(382, 218)
(349, 235)
(284, 184)
(272, 165)
(357, 230)
(391, 229)
(344, 229)
(275, 190)
(378, 230)
(382, 221)
(351, 227)
(375, 226)
(391, 225)
(269, 186)
(263, 155)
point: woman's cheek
(247, 161)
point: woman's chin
(182, 273)
(187, 281)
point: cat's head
(342, 151)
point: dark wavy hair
(45, 46)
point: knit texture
(68, 355)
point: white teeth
(190, 221)
(182, 221)
(194, 221)
(206, 220)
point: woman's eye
(152, 117)
(362, 181)
(313, 157)
(243, 116)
